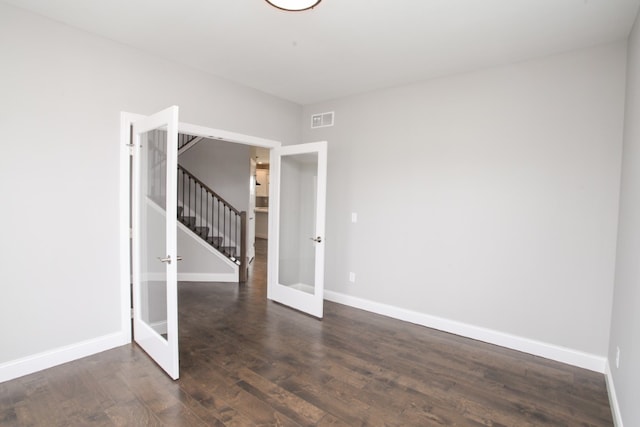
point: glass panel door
(154, 258)
(297, 220)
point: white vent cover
(322, 120)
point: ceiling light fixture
(294, 5)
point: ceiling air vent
(322, 120)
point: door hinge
(131, 144)
(132, 313)
(131, 233)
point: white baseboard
(207, 277)
(526, 345)
(613, 398)
(159, 327)
(37, 362)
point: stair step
(228, 250)
(202, 231)
(214, 240)
(189, 221)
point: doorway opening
(296, 173)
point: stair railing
(213, 219)
(184, 139)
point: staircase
(200, 209)
(209, 216)
(212, 218)
(185, 142)
(204, 233)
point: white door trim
(126, 119)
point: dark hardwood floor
(249, 362)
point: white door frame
(126, 119)
(310, 303)
(251, 215)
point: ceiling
(343, 47)
(261, 155)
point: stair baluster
(212, 218)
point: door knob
(168, 259)
(316, 239)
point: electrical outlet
(354, 217)
(617, 357)
(352, 277)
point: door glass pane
(153, 283)
(298, 189)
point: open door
(154, 212)
(296, 226)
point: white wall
(202, 263)
(488, 198)
(225, 167)
(62, 94)
(262, 225)
(625, 323)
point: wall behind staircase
(62, 93)
(222, 166)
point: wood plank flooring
(249, 362)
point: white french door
(298, 180)
(154, 258)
